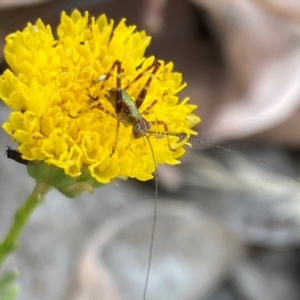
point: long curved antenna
(226, 150)
(154, 221)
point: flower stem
(10, 242)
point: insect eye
(137, 127)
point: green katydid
(127, 111)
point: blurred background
(228, 227)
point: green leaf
(8, 278)
(55, 177)
(8, 288)
(10, 293)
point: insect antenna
(183, 137)
(154, 221)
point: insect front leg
(166, 132)
(159, 122)
(148, 108)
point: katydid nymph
(126, 109)
(127, 112)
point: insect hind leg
(104, 78)
(143, 93)
(118, 97)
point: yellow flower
(55, 99)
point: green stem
(10, 242)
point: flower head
(61, 114)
